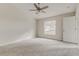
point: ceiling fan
(38, 8)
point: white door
(69, 32)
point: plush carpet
(40, 47)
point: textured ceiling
(54, 9)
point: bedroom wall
(77, 22)
(14, 25)
(40, 32)
(59, 24)
(17, 22)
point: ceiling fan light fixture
(38, 8)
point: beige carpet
(39, 47)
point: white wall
(59, 24)
(77, 22)
(40, 32)
(14, 24)
(16, 20)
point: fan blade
(32, 9)
(44, 7)
(35, 5)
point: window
(50, 27)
